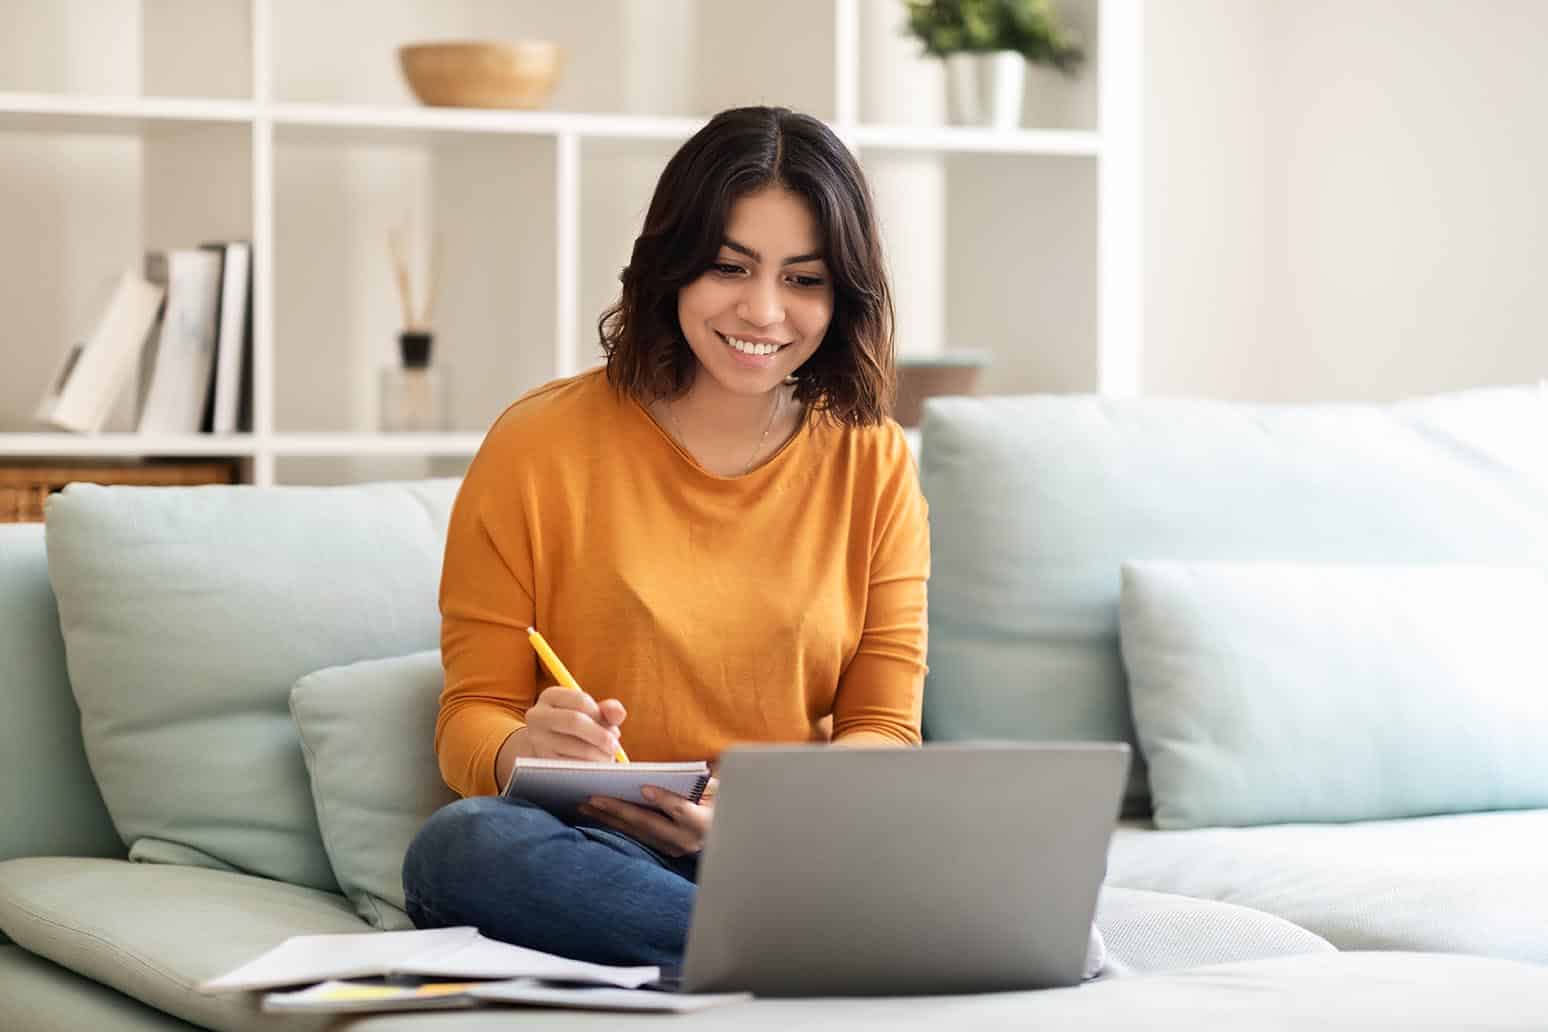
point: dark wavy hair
(851, 377)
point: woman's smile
(752, 353)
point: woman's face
(762, 308)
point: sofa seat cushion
(1459, 883)
(1324, 991)
(37, 995)
(153, 931)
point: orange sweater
(786, 605)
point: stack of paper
(337, 997)
(504, 974)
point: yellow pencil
(562, 674)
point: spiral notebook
(561, 786)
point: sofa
(219, 701)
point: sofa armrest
(51, 803)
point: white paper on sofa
(354, 997)
(459, 952)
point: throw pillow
(368, 735)
(188, 614)
(1275, 692)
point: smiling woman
(720, 530)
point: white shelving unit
(556, 160)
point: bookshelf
(290, 126)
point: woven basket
(25, 486)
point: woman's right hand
(565, 724)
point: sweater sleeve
(486, 604)
(881, 692)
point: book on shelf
(230, 408)
(197, 375)
(177, 368)
(94, 372)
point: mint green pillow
(188, 614)
(368, 735)
(1273, 692)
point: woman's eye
(727, 269)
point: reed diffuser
(413, 390)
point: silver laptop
(965, 867)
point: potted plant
(986, 45)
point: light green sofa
(1037, 504)
(191, 613)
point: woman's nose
(760, 304)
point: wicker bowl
(482, 75)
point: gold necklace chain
(683, 440)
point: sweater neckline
(789, 445)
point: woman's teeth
(749, 348)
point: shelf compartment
(1036, 307)
(684, 58)
(128, 50)
(89, 207)
(616, 179)
(337, 313)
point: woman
(720, 532)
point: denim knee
(449, 831)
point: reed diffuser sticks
(398, 252)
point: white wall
(1343, 197)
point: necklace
(683, 440)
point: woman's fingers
(612, 712)
(560, 697)
(578, 725)
(567, 721)
(678, 832)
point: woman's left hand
(678, 831)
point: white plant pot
(985, 89)
(1002, 78)
(962, 107)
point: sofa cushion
(188, 614)
(1282, 692)
(1035, 502)
(1458, 883)
(56, 808)
(154, 932)
(37, 994)
(368, 734)
(1329, 992)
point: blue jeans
(521, 875)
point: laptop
(951, 868)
